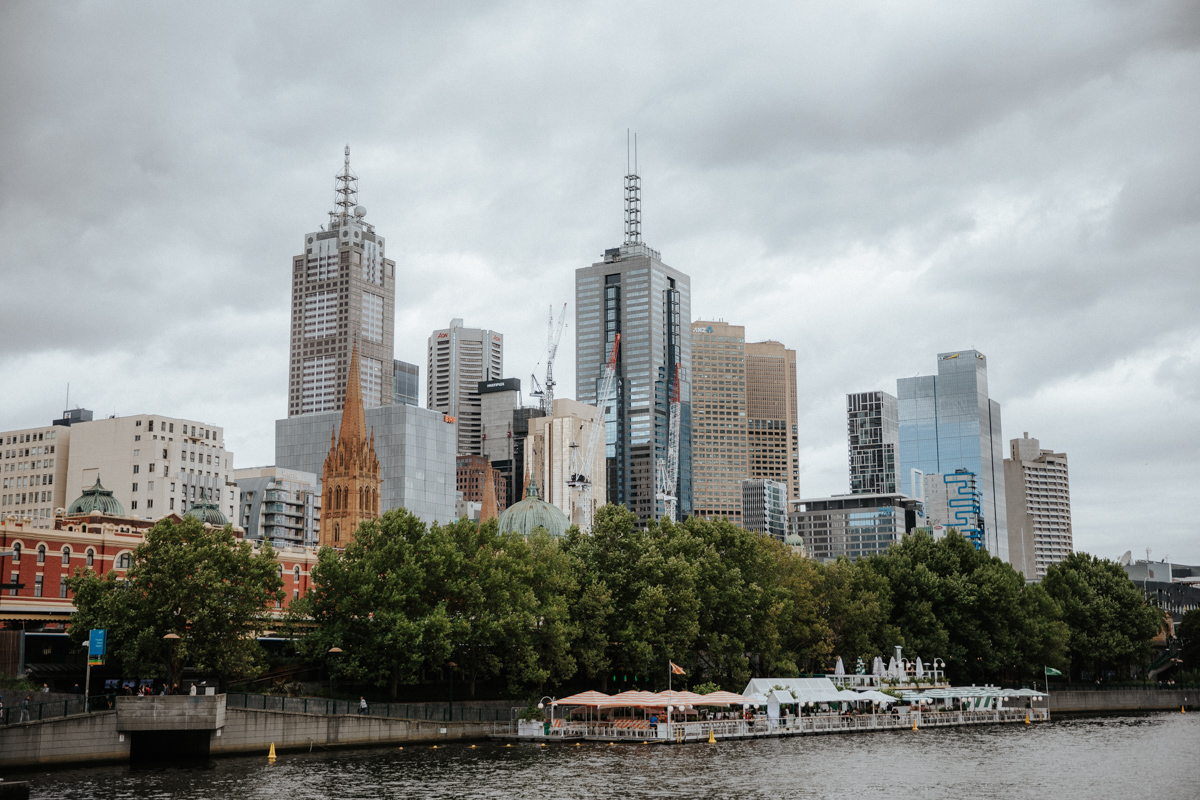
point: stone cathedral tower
(350, 479)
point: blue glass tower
(948, 423)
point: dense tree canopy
(199, 583)
(405, 600)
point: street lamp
(173, 639)
(334, 652)
(452, 667)
(542, 706)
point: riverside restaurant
(769, 707)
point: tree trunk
(394, 683)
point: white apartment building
(33, 472)
(153, 464)
(1038, 496)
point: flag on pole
(1052, 671)
(676, 669)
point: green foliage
(1109, 624)
(200, 584)
(405, 600)
(706, 688)
(1188, 631)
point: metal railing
(14, 713)
(764, 726)
(320, 705)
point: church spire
(354, 419)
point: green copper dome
(99, 499)
(532, 513)
(207, 512)
(793, 540)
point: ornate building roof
(99, 499)
(207, 512)
(532, 513)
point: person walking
(362, 704)
(25, 709)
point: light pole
(87, 681)
(173, 640)
(452, 667)
(542, 706)
(334, 652)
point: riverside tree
(199, 583)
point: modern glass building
(948, 423)
(633, 293)
(873, 433)
(406, 383)
(415, 446)
(764, 506)
(855, 526)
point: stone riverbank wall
(1099, 701)
(113, 736)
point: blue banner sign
(96, 643)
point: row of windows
(22, 438)
(123, 559)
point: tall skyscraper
(947, 423)
(459, 359)
(633, 293)
(343, 292)
(771, 403)
(873, 431)
(1039, 507)
(720, 457)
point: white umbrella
(877, 667)
(840, 669)
(920, 668)
(893, 669)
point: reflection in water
(1095, 758)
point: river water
(1149, 755)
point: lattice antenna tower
(633, 195)
(345, 193)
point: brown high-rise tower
(350, 480)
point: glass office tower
(947, 423)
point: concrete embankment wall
(81, 739)
(96, 738)
(1116, 700)
(248, 731)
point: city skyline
(1039, 215)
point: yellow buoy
(645, 742)
(543, 744)
(402, 748)
(610, 744)
(435, 747)
(711, 738)
(914, 723)
(472, 747)
(577, 744)
(1026, 717)
(271, 755)
(508, 745)
(1183, 709)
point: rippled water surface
(1153, 755)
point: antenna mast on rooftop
(345, 193)
(633, 196)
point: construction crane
(667, 472)
(545, 391)
(581, 463)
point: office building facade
(415, 448)
(1038, 490)
(343, 293)
(772, 428)
(406, 383)
(280, 506)
(948, 422)
(873, 434)
(854, 526)
(551, 448)
(472, 474)
(954, 501)
(459, 360)
(631, 292)
(506, 423)
(720, 447)
(33, 472)
(154, 465)
(765, 507)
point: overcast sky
(869, 183)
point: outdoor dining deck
(762, 726)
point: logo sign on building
(97, 643)
(702, 329)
